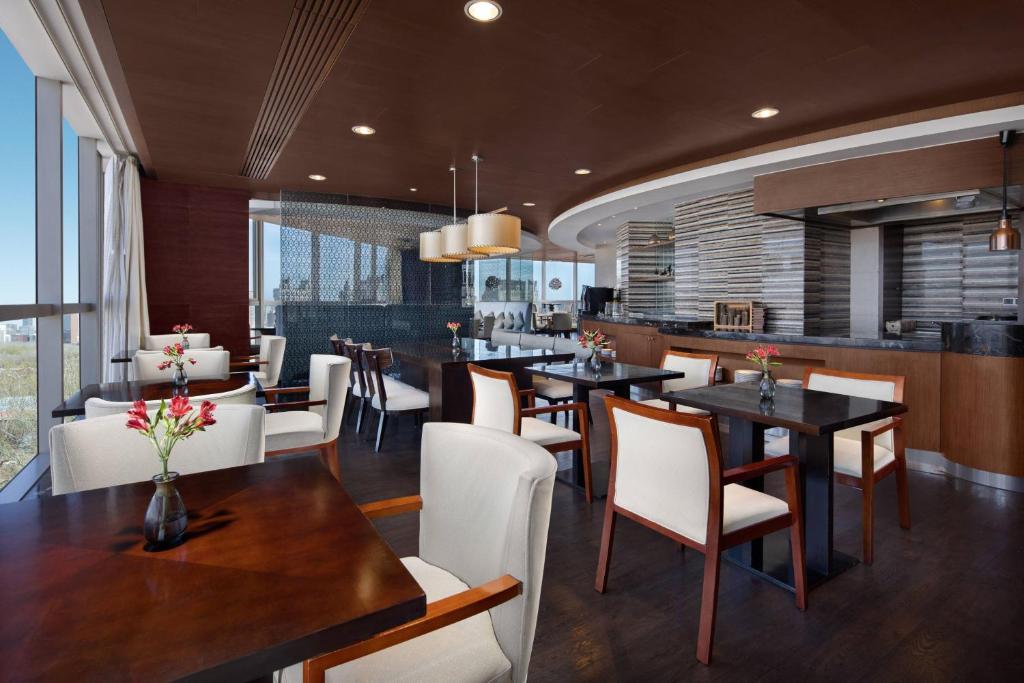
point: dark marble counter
(984, 338)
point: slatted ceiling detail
(316, 35)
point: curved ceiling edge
(593, 222)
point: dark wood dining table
(152, 390)
(279, 565)
(812, 418)
(616, 377)
(440, 370)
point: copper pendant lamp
(1005, 237)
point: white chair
(877, 447)
(700, 372)
(506, 338)
(741, 376)
(389, 396)
(196, 340)
(97, 407)
(360, 395)
(210, 364)
(312, 424)
(95, 453)
(266, 366)
(485, 506)
(666, 473)
(497, 404)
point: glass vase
(455, 341)
(184, 343)
(595, 362)
(166, 517)
(767, 385)
(180, 376)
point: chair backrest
(865, 385)
(537, 341)
(375, 362)
(486, 508)
(97, 407)
(92, 454)
(505, 337)
(272, 348)
(357, 372)
(495, 399)
(666, 467)
(210, 364)
(196, 340)
(561, 321)
(563, 345)
(699, 369)
(329, 381)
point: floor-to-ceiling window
(69, 189)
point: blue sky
(17, 186)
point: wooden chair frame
(869, 477)
(356, 377)
(378, 360)
(328, 450)
(581, 444)
(715, 540)
(441, 613)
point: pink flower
(206, 414)
(178, 348)
(179, 407)
(192, 361)
(138, 418)
(168, 351)
(164, 365)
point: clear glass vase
(180, 376)
(455, 341)
(166, 517)
(184, 342)
(767, 385)
(595, 361)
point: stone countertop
(984, 338)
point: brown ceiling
(624, 88)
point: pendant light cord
(452, 169)
(476, 184)
(1006, 174)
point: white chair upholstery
(537, 341)
(739, 376)
(554, 389)
(272, 351)
(545, 433)
(196, 340)
(494, 403)
(210, 364)
(328, 381)
(95, 453)
(504, 337)
(699, 373)
(402, 397)
(486, 508)
(563, 345)
(97, 407)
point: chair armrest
(271, 394)
(292, 405)
(894, 423)
(439, 614)
(563, 408)
(391, 506)
(247, 363)
(754, 470)
(530, 395)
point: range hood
(908, 210)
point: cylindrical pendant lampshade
(1005, 237)
(494, 233)
(454, 242)
(431, 248)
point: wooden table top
(795, 408)
(470, 351)
(151, 390)
(279, 566)
(612, 373)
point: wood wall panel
(197, 260)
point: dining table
(152, 390)
(812, 418)
(278, 566)
(613, 376)
(440, 369)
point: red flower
(138, 418)
(179, 407)
(164, 365)
(206, 414)
(178, 348)
(192, 361)
(168, 351)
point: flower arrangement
(178, 421)
(763, 356)
(183, 329)
(454, 327)
(593, 340)
(176, 356)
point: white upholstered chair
(877, 448)
(210, 364)
(360, 395)
(745, 375)
(196, 340)
(666, 473)
(92, 454)
(97, 407)
(266, 365)
(506, 338)
(388, 396)
(497, 403)
(312, 424)
(700, 372)
(485, 505)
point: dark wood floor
(943, 602)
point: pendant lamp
(492, 233)
(431, 248)
(454, 237)
(1005, 237)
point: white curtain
(125, 306)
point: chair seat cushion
(743, 507)
(293, 428)
(391, 385)
(846, 454)
(464, 651)
(404, 397)
(552, 388)
(542, 432)
(665, 405)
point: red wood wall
(197, 260)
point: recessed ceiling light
(764, 112)
(363, 130)
(879, 200)
(413, 189)
(582, 171)
(483, 10)
(529, 204)
(317, 176)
